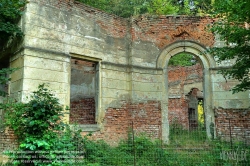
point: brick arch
(207, 62)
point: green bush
(39, 128)
(42, 135)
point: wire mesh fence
(185, 148)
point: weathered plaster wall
(228, 105)
(82, 82)
(222, 94)
(132, 56)
(151, 34)
(54, 30)
(221, 87)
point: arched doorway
(185, 91)
(195, 111)
(207, 62)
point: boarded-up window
(83, 92)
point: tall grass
(186, 148)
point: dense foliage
(232, 27)
(39, 115)
(4, 79)
(41, 132)
(10, 12)
(188, 7)
(127, 8)
(186, 148)
(182, 59)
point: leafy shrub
(40, 131)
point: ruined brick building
(113, 71)
(185, 89)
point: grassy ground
(193, 148)
(185, 149)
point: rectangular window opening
(83, 92)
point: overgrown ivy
(4, 79)
(10, 12)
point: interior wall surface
(82, 92)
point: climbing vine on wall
(10, 12)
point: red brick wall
(7, 140)
(82, 111)
(164, 30)
(178, 113)
(186, 75)
(178, 107)
(239, 124)
(146, 118)
(141, 117)
(161, 30)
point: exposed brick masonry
(8, 141)
(239, 124)
(82, 102)
(161, 30)
(82, 111)
(178, 77)
(164, 30)
(141, 117)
